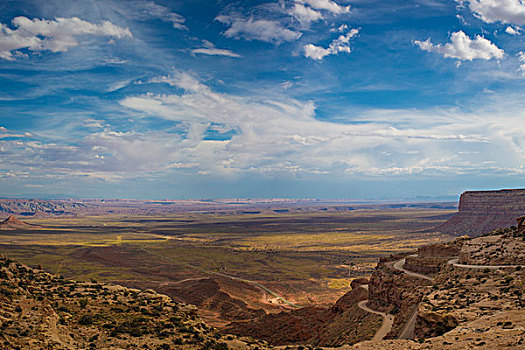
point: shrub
(221, 346)
(86, 320)
(83, 302)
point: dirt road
(398, 265)
(388, 321)
(454, 262)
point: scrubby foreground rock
(466, 294)
(478, 304)
(42, 311)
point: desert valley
(264, 274)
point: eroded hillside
(43, 311)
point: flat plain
(231, 262)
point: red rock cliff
(483, 211)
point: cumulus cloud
(341, 44)
(257, 29)
(56, 35)
(304, 14)
(208, 48)
(512, 31)
(505, 11)
(307, 11)
(150, 9)
(463, 48)
(327, 5)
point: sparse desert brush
(83, 302)
(86, 320)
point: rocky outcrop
(30, 207)
(12, 223)
(207, 293)
(432, 324)
(483, 211)
(394, 292)
(425, 266)
(493, 250)
(521, 224)
(438, 251)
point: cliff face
(426, 266)
(30, 207)
(438, 251)
(483, 211)
(393, 292)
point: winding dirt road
(398, 265)
(388, 321)
(454, 262)
(408, 330)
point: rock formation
(438, 251)
(521, 224)
(483, 211)
(12, 223)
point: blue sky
(298, 98)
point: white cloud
(6, 133)
(304, 14)
(327, 5)
(342, 28)
(269, 136)
(521, 58)
(512, 31)
(56, 35)
(286, 85)
(505, 11)
(260, 29)
(153, 10)
(308, 11)
(182, 80)
(462, 47)
(341, 44)
(210, 49)
(283, 136)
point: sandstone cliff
(483, 211)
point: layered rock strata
(483, 211)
